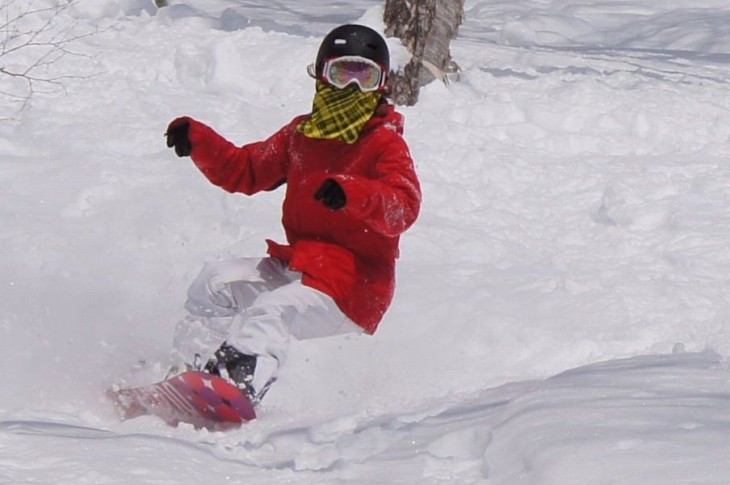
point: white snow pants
(256, 304)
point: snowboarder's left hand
(331, 194)
(177, 136)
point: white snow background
(562, 315)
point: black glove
(331, 194)
(177, 136)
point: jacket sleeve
(388, 203)
(248, 169)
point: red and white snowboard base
(197, 398)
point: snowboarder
(351, 191)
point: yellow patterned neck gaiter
(339, 114)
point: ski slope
(562, 313)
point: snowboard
(197, 398)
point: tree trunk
(426, 28)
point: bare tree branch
(34, 36)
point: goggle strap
(312, 71)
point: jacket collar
(385, 114)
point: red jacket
(350, 253)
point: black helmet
(353, 40)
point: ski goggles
(345, 70)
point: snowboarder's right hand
(177, 136)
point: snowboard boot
(230, 364)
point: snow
(562, 313)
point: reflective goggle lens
(351, 69)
